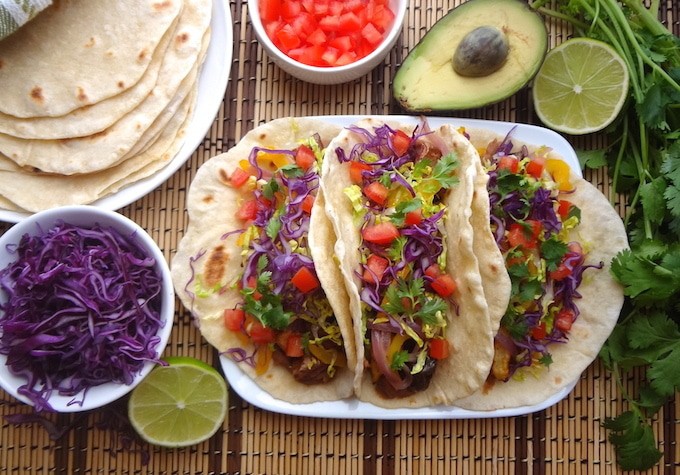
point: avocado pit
(481, 52)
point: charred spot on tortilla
(141, 57)
(160, 6)
(81, 95)
(216, 265)
(121, 84)
(207, 199)
(37, 95)
(91, 42)
(224, 176)
(182, 38)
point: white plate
(212, 84)
(354, 409)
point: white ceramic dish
(212, 84)
(354, 409)
(88, 215)
(329, 75)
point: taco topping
(398, 185)
(532, 219)
(284, 312)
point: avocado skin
(426, 80)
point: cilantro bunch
(643, 158)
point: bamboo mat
(565, 438)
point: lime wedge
(580, 87)
(178, 405)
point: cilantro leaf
(443, 175)
(591, 158)
(429, 309)
(552, 251)
(292, 171)
(652, 197)
(273, 227)
(645, 279)
(270, 188)
(399, 359)
(634, 441)
(267, 308)
(403, 208)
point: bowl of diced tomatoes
(327, 41)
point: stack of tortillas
(95, 95)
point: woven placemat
(565, 438)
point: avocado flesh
(427, 81)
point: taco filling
(398, 185)
(283, 313)
(532, 219)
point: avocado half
(427, 81)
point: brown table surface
(565, 438)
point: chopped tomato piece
(234, 318)
(376, 192)
(341, 43)
(318, 37)
(375, 268)
(414, 218)
(563, 208)
(444, 285)
(260, 334)
(270, 9)
(382, 17)
(305, 280)
(294, 346)
(524, 235)
(561, 273)
(287, 38)
(400, 143)
(247, 211)
(535, 167)
(371, 34)
(509, 163)
(381, 233)
(304, 157)
(539, 331)
(290, 9)
(433, 271)
(349, 21)
(239, 177)
(356, 170)
(565, 319)
(439, 348)
(307, 204)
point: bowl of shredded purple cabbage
(86, 308)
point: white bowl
(103, 394)
(329, 75)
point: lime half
(580, 87)
(178, 405)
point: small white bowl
(329, 75)
(84, 216)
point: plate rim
(218, 57)
(352, 408)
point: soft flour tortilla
(603, 234)
(79, 52)
(469, 333)
(206, 253)
(107, 148)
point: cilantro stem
(619, 160)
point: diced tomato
(248, 210)
(260, 334)
(234, 318)
(270, 10)
(444, 285)
(535, 167)
(561, 273)
(239, 177)
(326, 32)
(307, 204)
(291, 343)
(305, 280)
(381, 233)
(509, 163)
(356, 170)
(565, 319)
(539, 331)
(563, 208)
(414, 218)
(376, 192)
(433, 271)
(524, 235)
(304, 157)
(439, 348)
(375, 268)
(400, 143)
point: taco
(400, 199)
(248, 271)
(558, 235)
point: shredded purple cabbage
(82, 309)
